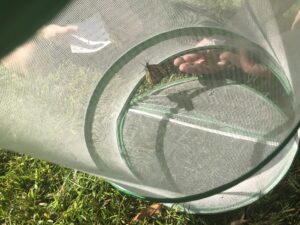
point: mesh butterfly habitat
(180, 102)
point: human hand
(212, 61)
(246, 63)
(204, 62)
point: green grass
(37, 192)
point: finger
(296, 21)
(186, 67)
(66, 29)
(229, 57)
(178, 61)
(199, 61)
(52, 31)
(191, 57)
(254, 68)
(194, 68)
(204, 42)
(71, 28)
(222, 63)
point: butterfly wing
(155, 73)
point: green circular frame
(131, 54)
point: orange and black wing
(154, 73)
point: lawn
(36, 192)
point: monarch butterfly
(154, 73)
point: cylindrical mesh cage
(193, 102)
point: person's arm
(20, 59)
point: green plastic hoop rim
(123, 60)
